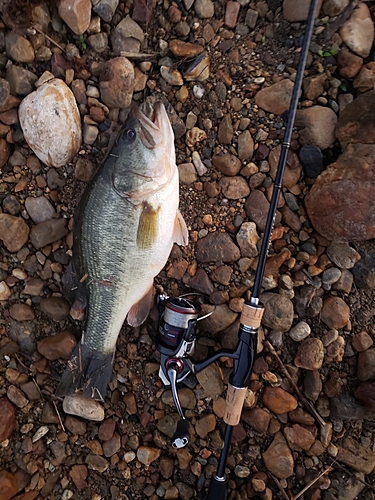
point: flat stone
(76, 14)
(16, 396)
(97, 463)
(14, 232)
(83, 407)
(234, 188)
(359, 457)
(75, 425)
(312, 386)
(278, 458)
(316, 126)
(335, 312)
(127, 31)
(298, 437)
(211, 380)
(278, 400)
(222, 317)
(343, 255)
(21, 312)
(225, 132)
(256, 207)
(112, 446)
(106, 9)
(146, 454)
(245, 145)
(276, 98)
(204, 8)
(185, 49)
(21, 81)
(247, 239)
(349, 63)
(19, 48)
(205, 425)
(217, 246)
(227, 164)
(48, 232)
(59, 346)
(107, 429)
(57, 308)
(40, 209)
(313, 86)
(358, 31)
(79, 473)
(186, 397)
(310, 354)
(293, 167)
(257, 418)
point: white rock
(51, 123)
(83, 407)
(358, 31)
(300, 331)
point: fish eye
(130, 134)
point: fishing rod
(176, 332)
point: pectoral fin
(139, 311)
(180, 230)
(148, 226)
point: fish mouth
(153, 132)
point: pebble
(59, 346)
(79, 473)
(343, 255)
(247, 239)
(83, 407)
(76, 14)
(198, 164)
(19, 48)
(345, 407)
(222, 317)
(349, 63)
(358, 31)
(364, 270)
(278, 312)
(245, 145)
(4, 152)
(185, 49)
(205, 425)
(278, 458)
(310, 354)
(300, 331)
(21, 81)
(195, 135)
(199, 69)
(335, 313)
(48, 232)
(75, 425)
(366, 365)
(212, 381)
(256, 207)
(225, 133)
(97, 463)
(8, 421)
(234, 188)
(112, 446)
(356, 456)
(365, 393)
(362, 341)
(146, 454)
(227, 164)
(331, 275)
(8, 485)
(316, 126)
(106, 9)
(217, 246)
(39, 209)
(116, 83)
(186, 397)
(16, 396)
(14, 232)
(298, 437)
(311, 158)
(204, 8)
(257, 418)
(21, 312)
(276, 98)
(171, 76)
(278, 400)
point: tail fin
(88, 371)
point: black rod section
(284, 153)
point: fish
(124, 228)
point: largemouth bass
(124, 229)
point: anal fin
(139, 311)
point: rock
(48, 232)
(358, 31)
(234, 188)
(4, 152)
(313, 86)
(278, 312)
(98, 41)
(4, 94)
(278, 400)
(276, 98)
(76, 14)
(256, 207)
(171, 76)
(19, 48)
(116, 83)
(339, 198)
(127, 36)
(349, 63)
(356, 122)
(39, 209)
(366, 365)
(227, 164)
(187, 173)
(112, 446)
(345, 282)
(334, 7)
(8, 485)
(205, 425)
(364, 270)
(186, 397)
(217, 246)
(293, 168)
(310, 354)
(83, 407)
(231, 14)
(57, 308)
(317, 126)
(14, 232)
(300, 331)
(221, 318)
(257, 418)
(298, 12)
(107, 429)
(16, 396)
(298, 437)
(23, 334)
(204, 9)
(5, 292)
(343, 255)
(106, 9)
(211, 380)
(278, 458)
(331, 275)
(8, 421)
(84, 169)
(146, 455)
(274, 262)
(143, 11)
(344, 407)
(362, 341)
(201, 282)
(79, 473)
(199, 69)
(365, 80)
(97, 463)
(21, 312)
(225, 133)
(245, 145)
(312, 386)
(247, 239)
(365, 393)
(335, 313)
(51, 123)
(21, 81)
(59, 346)
(359, 457)
(185, 491)
(185, 49)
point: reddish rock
(335, 313)
(257, 418)
(106, 429)
(278, 400)
(293, 166)
(14, 232)
(362, 341)
(48, 232)
(21, 312)
(316, 125)
(349, 63)
(366, 365)
(7, 419)
(76, 14)
(205, 425)
(116, 82)
(146, 455)
(58, 346)
(298, 11)
(278, 458)
(227, 164)
(217, 246)
(276, 98)
(130, 402)
(340, 205)
(365, 393)
(310, 354)
(143, 10)
(4, 152)
(112, 446)
(231, 14)
(201, 282)
(274, 262)
(78, 474)
(185, 49)
(298, 437)
(8, 485)
(357, 122)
